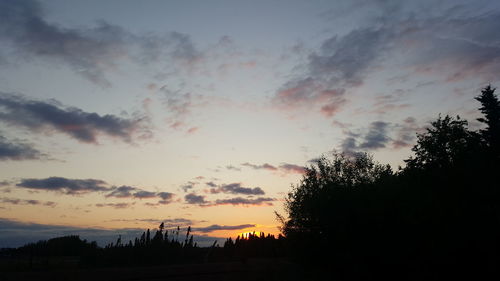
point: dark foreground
(253, 269)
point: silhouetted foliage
(435, 218)
(491, 111)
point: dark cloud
(192, 198)
(17, 201)
(90, 51)
(236, 188)
(137, 193)
(216, 227)
(64, 185)
(211, 184)
(14, 150)
(344, 60)
(167, 196)
(376, 137)
(380, 134)
(264, 166)
(17, 110)
(123, 191)
(244, 201)
(144, 194)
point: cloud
(180, 105)
(380, 134)
(192, 130)
(41, 116)
(192, 198)
(376, 137)
(284, 167)
(10, 150)
(64, 185)
(211, 184)
(189, 185)
(115, 205)
(216, 227)
(307, 92)
(144, 194)
(292, 168)
(91, 52)
(88, 51)
(342, 62)
(406, 133)
(451, 43)
(17, 201)
(244, 201)
(125, 191)
(233, 168)
(167, 196)
(264, 166)
(236, 188)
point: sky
(116, 116)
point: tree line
(352, 218)
(165, 246)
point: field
(253, 269)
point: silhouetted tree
(447, 141)
(490, 107)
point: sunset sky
(118, 115)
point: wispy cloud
(450, 44)
(17, 201)
(47, 116)
(264, 166)
(216, 227)
(286, 168)
(91, 52)
(292, 168)
(122, 205)
(233, 168)
(259, 201)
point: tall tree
(490, 107)
(445, 143)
